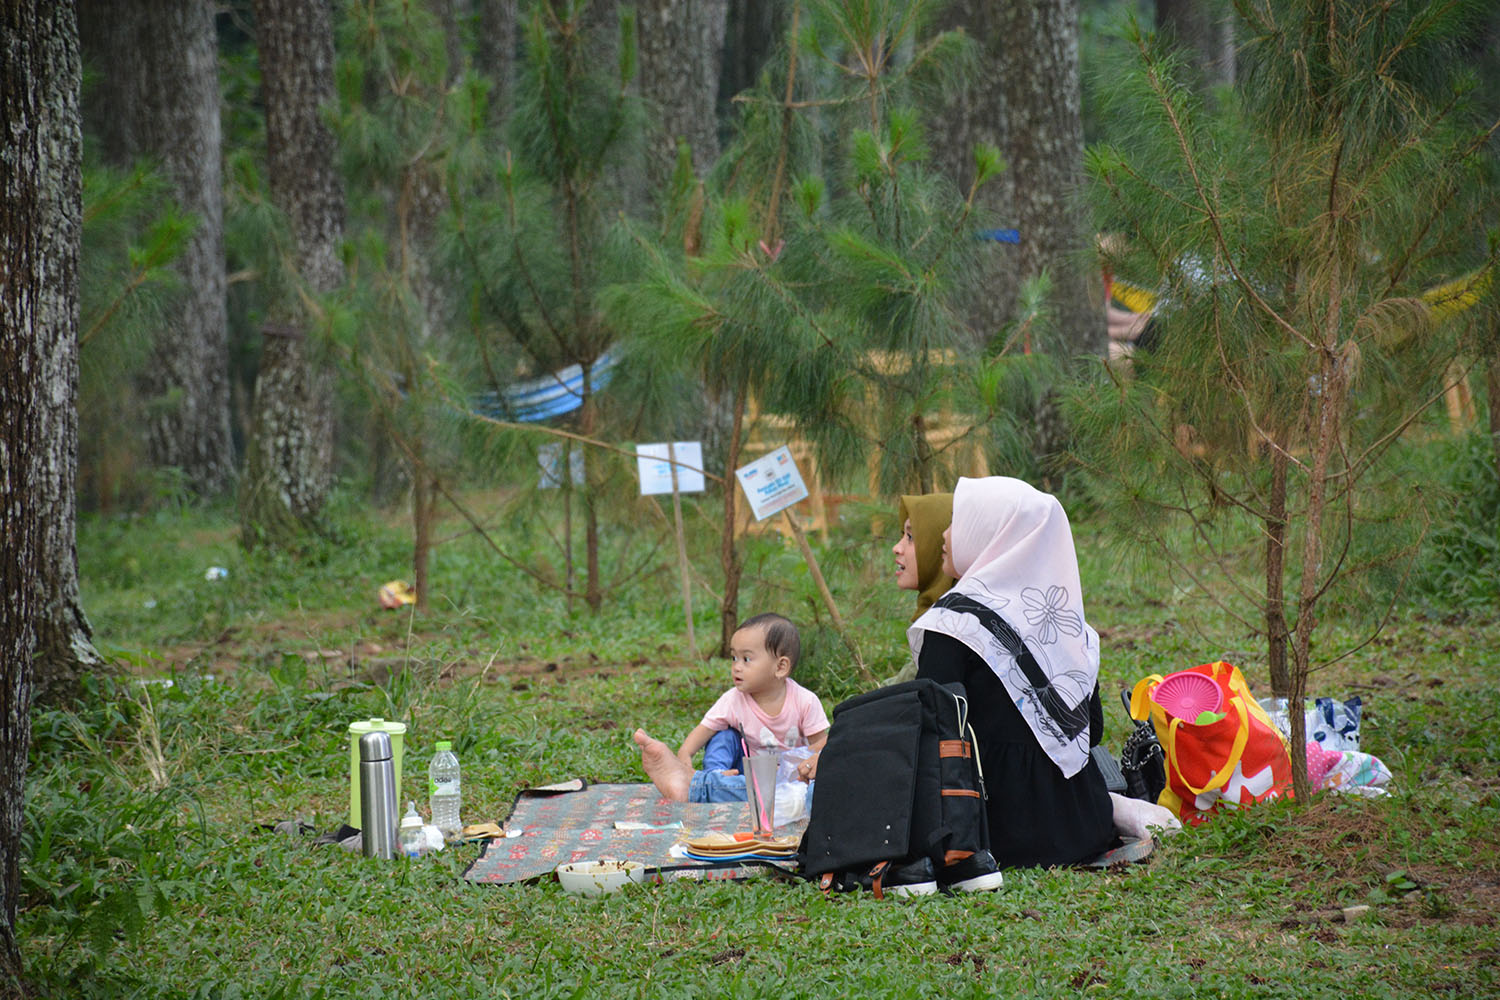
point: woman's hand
(808, 769)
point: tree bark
(1205, 31)
(1275, 610)
(1492, 396)
(159, 99)
(976, 114)
(495, 52)
(751, 32)
(1044, 147)
(729, 552)
(64, 651)
(447, 14)
(681, 45)
(289, 462)
(40, 220)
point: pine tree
(402, 133)
(288, 464)
(525, 239)
(824, 279)
(1291, 236)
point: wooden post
(682, 559)
(833, 611)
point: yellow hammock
(1446, 300)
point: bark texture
(974, 115)
(1044, 147)
(158, 98)
(290, 458)
(64, 650)
(681, 45)
(1205, 31)
(495, 52)
(40, 197)
(751, 33)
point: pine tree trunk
(288, 467)
(495, 52)
(751, 31)
(1275, 610)
(1044, 148)
(159, 98)
(447, 14)
(1204, 30)
(593, 590)
(423, 512)
(729, 552)
(40, 219)
(64, 651)
(681, 44)
(1492, 397)
(1328, 420)
(975, 114)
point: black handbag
(1143, 760)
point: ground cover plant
(148, 869)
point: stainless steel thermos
(377, 791)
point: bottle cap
(411, 821)
(444, 745)
(372, 725)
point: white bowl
(596, 878)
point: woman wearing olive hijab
(919, 551)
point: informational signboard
(771, 483)
(651, 461)
(549, 457)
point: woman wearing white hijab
(1012, 631)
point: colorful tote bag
(1222, 750)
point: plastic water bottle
(445, 795)
(413, 842)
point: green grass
(147, 871)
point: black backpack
(897, 780)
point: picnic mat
(625, 822)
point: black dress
(1036, 816)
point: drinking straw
(760, 800)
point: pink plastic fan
(1187, 694)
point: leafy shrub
(1461, 561)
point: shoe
(975, 873)
(912, 878)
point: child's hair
(781, 636)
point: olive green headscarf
(930, 514)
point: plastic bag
(793, 795)
(1335, 724)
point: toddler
(765, 708)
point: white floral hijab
(1019, 605)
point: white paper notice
(771, 483)
(656, 471)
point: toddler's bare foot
(666, 771)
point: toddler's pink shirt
(801, 717)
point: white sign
(652, 461)
(771, 483)
(549, 457)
